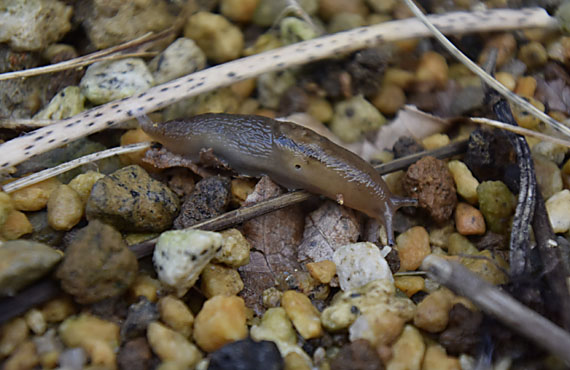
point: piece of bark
(274, 238)
(326, 229)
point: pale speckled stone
(181, 255)
(180, 58)
(376, 296)
(360, 263)
(558, 209)
(107, 81)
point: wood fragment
(19, 149)
(499, 305)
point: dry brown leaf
(326, 229)
(274, 238)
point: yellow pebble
(12, 334)
(413, 246)
(235, 249)
(65, 208)
(222, 320)
(432, 71)
(303, 314)
(323, 271)
(464, 180)
(524, 118)
(320, 109)
(506, 79)
(410, 285)
(58, 309)
(432, 313)
(132, 137)
(389, 99)
(175, 314)
(83, 184)
(145, 286)
(220, 280)
(171, 346)
(526, 86)
(16, 225)
(34, 197)
(435, 141)
(398, 77)
(24, 357)
(437, 359)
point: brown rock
(358, 355)
(432, 313)
(210, 198)
(469, 220)
(134, 355)
(329, 8)
(430, 181)
(462, 334)
(97, 264)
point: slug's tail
(397, 202)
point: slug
(291, 155)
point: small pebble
(506, 79)
(276, 327)
(526, 86)
(139, 315)
(390, 99)
(328, 8)
(12, 334)
(431, 183)
(548, 175)
(271, 297)
(220, 280)
(469, 220)
(303, 314)
(16, 225)
(437, 359)
(323, 271)
(533, 54)
(180, 58)
(97, 264)
(377, 327)
(65, 104)
(489, 267)
(320, 109)
(238, 10)
(410, 285)
(181, 255)
(134, 354)
(247, 354)
(408, 351)
(464, 180)
(132, 137)
(145, 286)
(382, 6)
(34, 197)
(235, 249)
(271, 86)
(33, 25)
(129, 199)
(360, 263)
(432, 313)
(65, 208)
(23, 262)
(458, 244)
(432, 71)
(506, 45)
(99, 338)
(220, 40)
(438, 237)
(243, 89)
(558, 206)
(413, 246)
(6, 207)
(344, 22)
(356, 355)
(84, 182)
(497, 204)
(107, 81)
(398, 77)
(376, 296)
(295, 361)
(524, 118)
(553, 152)
(222, 320)
(58, 309)
(175, 314)
(36, 321)
(24, 357)
(355, 117)
(170, 345)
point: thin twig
(500, 305)
(520, 130)
(487, 78)
(19, 149)
(82, 61)
(64, 167)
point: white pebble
(558, 208)
(181, 58)
(360, 263)
(181, 255)
(107, 81)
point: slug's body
(291, 155)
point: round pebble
(469, 220)
(558, 206)
(169, 345)
(220, 280)
(65, 208)
(355, 117)
(175, 314)
(180, 58)
(360, 263)
(303, 314)
(221, 321)
(107, 81)
(432, 313)
(34, 197)
(413, 246)
(220, 40)
(235, 249)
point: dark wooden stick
(499, 305)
